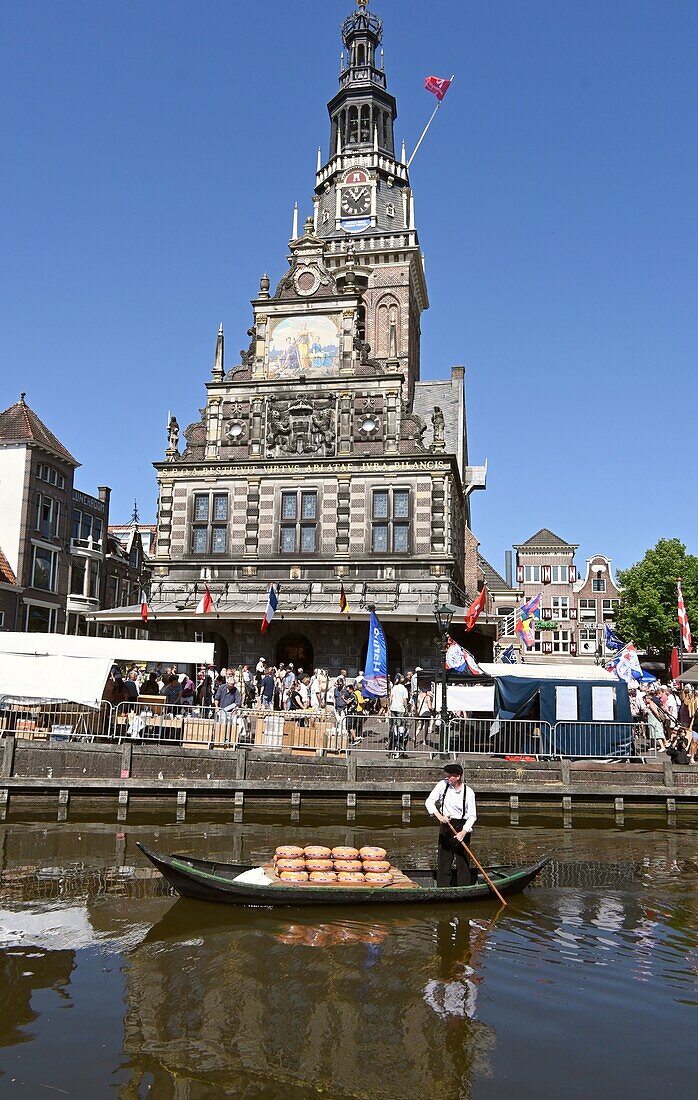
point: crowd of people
(279, 688)
(669, 715)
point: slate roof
(545, 540)
(20, 424)
(494, 580)
(6, 573)
(449, 397)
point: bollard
(181, 805)
(63, 800)
(567, 811)
(671, 811)
(351, 806)
(4, 802)
(122, 807)
(406, 808)
(514, 809)
(619, 807)
(295, 805)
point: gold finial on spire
(362, 3)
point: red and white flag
(477, 606)
(144, 607)
(205, 604)
(438, 85)
(686, 640)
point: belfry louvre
(322, 459)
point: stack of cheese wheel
(318, 861)
(347, 866)
(376, 866)
(289, 861)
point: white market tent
(75, 669)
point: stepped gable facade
(321, 458)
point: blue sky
(152, 153)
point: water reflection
(217, 1000)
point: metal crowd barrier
(48, 720)
(321, 731)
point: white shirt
(454, 804)
(398, 699)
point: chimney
(508, 575)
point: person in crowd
(289, 681)
(131, 685)
(424, 710)
(399, 699)
(204, 689)
(172, 690)
(414, 688)
(677, 748)
(318, 689)
(693, 745)
(187, 695)
(355, 720)
(279, 678)
(267, 688)
(655, 720)
(151, 685)
(227, 701)
(114, 689)
(452, 803)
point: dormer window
(325, 217)
(390, 210)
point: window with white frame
(299, 518)
(86, 526)
(532, 574)
(209, 531)
(560, 607)
(587, 609)
(559, 574)
(609, 608)
(44, 568)
(390, 521)
(598, 584)
(48, 516)
(552, 641)
(51, 475)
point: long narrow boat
(214, 881)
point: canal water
(584, 986)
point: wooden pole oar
(477, 863)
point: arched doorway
(394, 656)
(296, 650)
(220, 648)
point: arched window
(365, 123)
(353, 134)
(360, 54)
(386, 132)
(342, 129)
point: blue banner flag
(508, 656)
(612, 639)
(375, 682)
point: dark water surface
(585, 986)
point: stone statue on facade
(172, 437)
(438, 424)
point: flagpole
(424, 131)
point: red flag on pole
(205, 603)
(144, 607)
(473, 612)
(674, 666)
(683, 621)
(438, 85)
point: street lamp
(443, 616)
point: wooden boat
(208, 880)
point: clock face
(355, 201)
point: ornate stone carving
(172, 439)
(438, 424)
(412, 428)
(300, 427)
(195, 436)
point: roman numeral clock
(355, 201)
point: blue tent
(529, 697)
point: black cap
(453, 769)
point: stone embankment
(127, 772)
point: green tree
(647, 612)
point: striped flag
(686, 640)
(144, 607)
(205, 603)
(272, 604)
(342, 599)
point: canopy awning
(48, 676)
(115, 649)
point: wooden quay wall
(130, 771)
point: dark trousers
(450, 849)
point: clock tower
(363, 203)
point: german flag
(342, 599)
